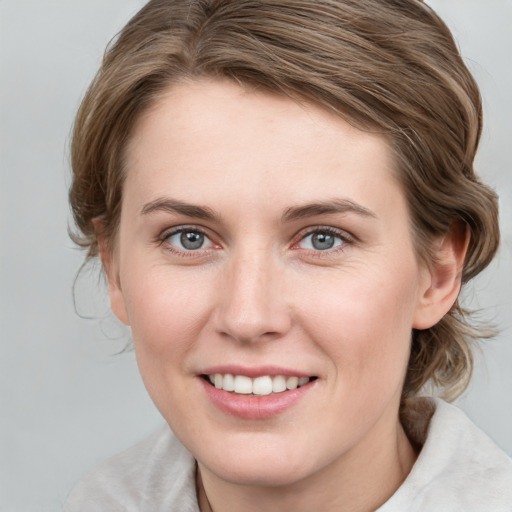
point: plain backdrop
(66, 399)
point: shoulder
(156, 474)
(459, 468)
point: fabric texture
(459, 468)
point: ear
(111, 267)
(443, 278)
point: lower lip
(253, 407)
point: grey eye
(320, 241)
(189, 240)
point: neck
(361, 481)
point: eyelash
(184, 253)
(343, 236)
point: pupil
(191, 240)
(322, 241)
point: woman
(283, 198)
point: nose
(251, 300)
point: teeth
(278, 384)
(292, 382)
(264, 385)
(243, 385)
(228, 383)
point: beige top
(459, 469)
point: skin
(258, 292)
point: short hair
(389, 66)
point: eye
(188, 239)
(323, 239)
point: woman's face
(268, 241)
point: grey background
(66, 399)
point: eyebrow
(326, 207)
(175, 206)
(290, 214)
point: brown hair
(385, 65)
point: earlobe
(443, 278)
(110, 267)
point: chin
(262, 466)
(269, 475)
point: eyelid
(164, 237)
(168, 232)
(345, 236)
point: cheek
(364, 322)
(166, 311)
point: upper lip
(254, 371)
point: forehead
(218, 139)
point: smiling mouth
(260, 386)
